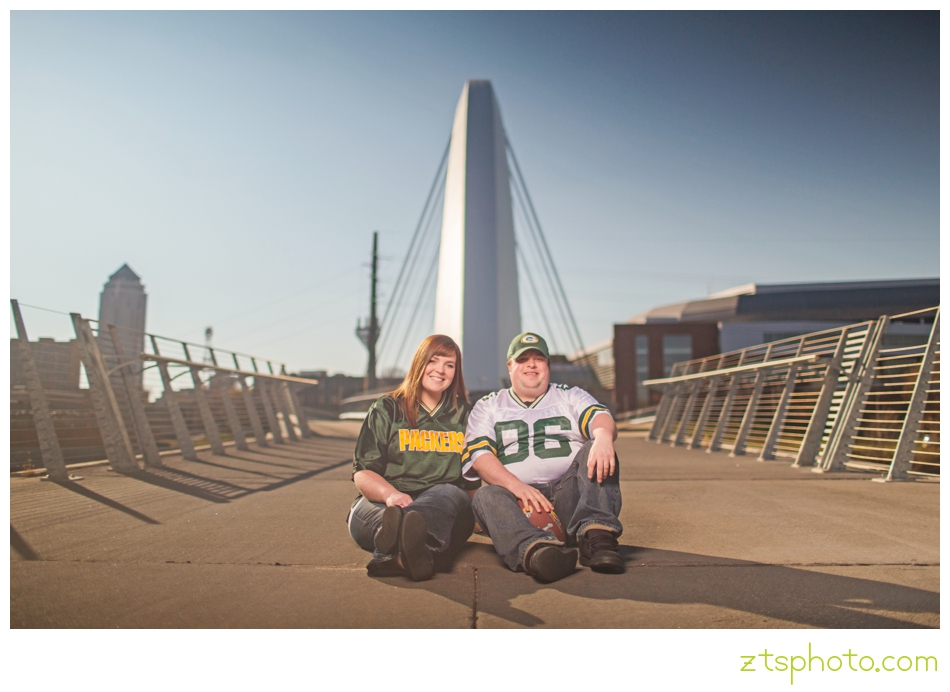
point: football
(546, 521)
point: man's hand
(398, 499)
(602, 458)
(494, 473)
(532, 497)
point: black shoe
(387, 538)
(384, 567)
(548, 563)
(413, 551)
(600, 552)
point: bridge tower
(477, 301)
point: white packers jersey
(537, 441)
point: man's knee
(488, 496)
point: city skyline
(239, 162)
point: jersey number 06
(539, 438)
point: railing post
(282, 402)
(133, 393)
(224, 389)
(747, 419)
(671, 413)
(50, 450)
(859, 382)
(234, 422)
(256, 426)
(174, 411)
(301, 417)
(819, 417)
(704, 413)
(662, 410)
(716, 442)
(904, 452)
(768, 447)
(261, 386)
(114, 435)
(207, 418)
(687, 412)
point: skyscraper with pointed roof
(122, 303)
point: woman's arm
(375, 488)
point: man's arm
(375, 488)
(602, 457)
(494, 472)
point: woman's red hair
(407, 394)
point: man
(552, 447)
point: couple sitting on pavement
(549, 446)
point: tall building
(122, 303)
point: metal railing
(115, 418)
(864, 397)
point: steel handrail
(246, 373)
(818, 357)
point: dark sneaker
(413, 551)
(600, 552)
(548, 563)
(387, 538)
(384, 567)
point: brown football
(546, 521)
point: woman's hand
(398, 499)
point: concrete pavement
(257, 539)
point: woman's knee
(448, 492)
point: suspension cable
(412, 261)
(415, 236)
(534, 214)
(422, 294)
(537, 297)
(552, 286)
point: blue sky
(239, 162)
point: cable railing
(864, 397)
(208, 397)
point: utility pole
(369, 333)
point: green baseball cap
(526, 342)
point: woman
(407, 467)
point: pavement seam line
(475, 599)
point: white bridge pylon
(477, 301)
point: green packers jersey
(537, 441)
(413, 459)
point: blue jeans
(446, 509)
(580, 503)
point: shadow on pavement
(20, 545)
(792, 594)
(189, 484)
(216, 490)
(92, 495)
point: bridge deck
(257, 539)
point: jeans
(446, 509)
(580, 503)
